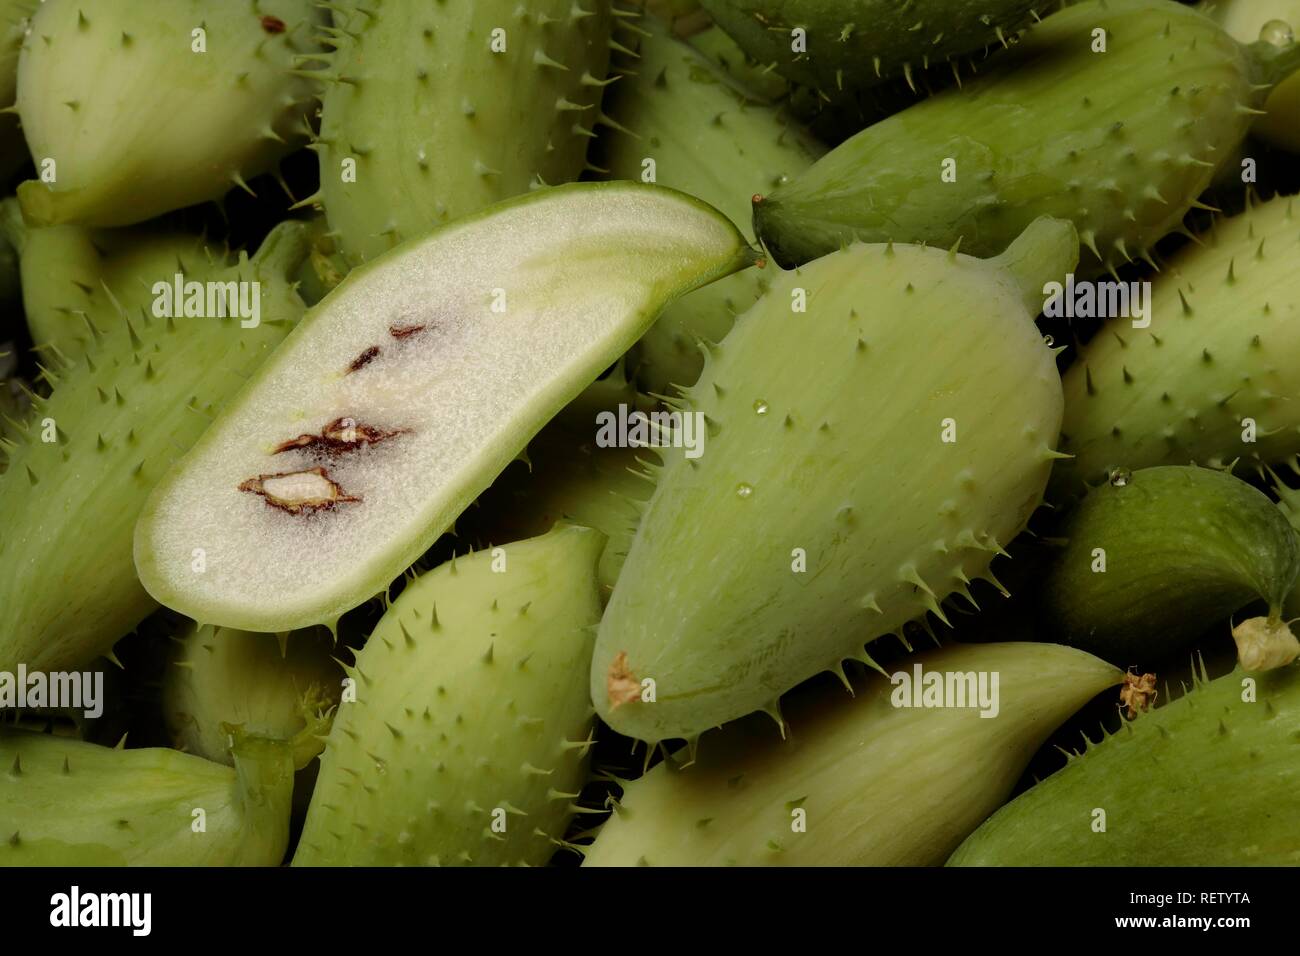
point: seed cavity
(340, 435)
(298, 492)
(405, 331)
(364, 359)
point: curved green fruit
(847, 786)
(1211, 380)
(465, 741)
(865, 460)
(852, 44)
(71, 275)
(1155, 556)
(92, 451)
(567, 475)
(1121, 142)
(434, 111)
(1149, 779)
(706, 136)
(267, 687)
(68, 803)
(447, 356)
(1247, 21)
(213, 98)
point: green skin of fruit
(14, 16)
(201, 123)
(852, 44)
(584, 269)
(470, 701)
(71, 274)
(1121, 143)
(268, 688)
(804, 409)
(1225, 327)
(722, 50)
(143, 394)
(712, 139)
(1150, 779)
(1244, 19)
(1183, 545)
(566, 476)
(457, 143)
(879, 785)
(1289, 503)
(69, 803)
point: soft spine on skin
(464, 742)
(712, 138)
(145, 389)
(790, 473)
(1148, 779)
(460, 143)
(1121, 143)
(845, 787)
(1212, 378)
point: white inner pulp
(520, 311)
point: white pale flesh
(522, 307)
(879, 784)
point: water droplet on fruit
(1120, 477)
(744, 490)
(1277, 33)
(760, 407)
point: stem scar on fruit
(620, 683)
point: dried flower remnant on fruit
(1138, 693)
(405, 331)
(273, 24)
(364, 359)
(340, 435)
(621, 684)
(298, 492)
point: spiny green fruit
(568, 475)
(496, 97)
(1154, 556)
(72, 275)
(1139, 797)
(15, 408)
(870, 779)
(465, 739)
(325, 267)
(407, 390)
(1249, 20)
(866, 458)
(93, 450)
(682, 122)
(839, 45)
(267, 687)
(14, 17)
(64, 802)
(1289, 503)
(1120, 142)
(213, 102)
(1212, 379)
